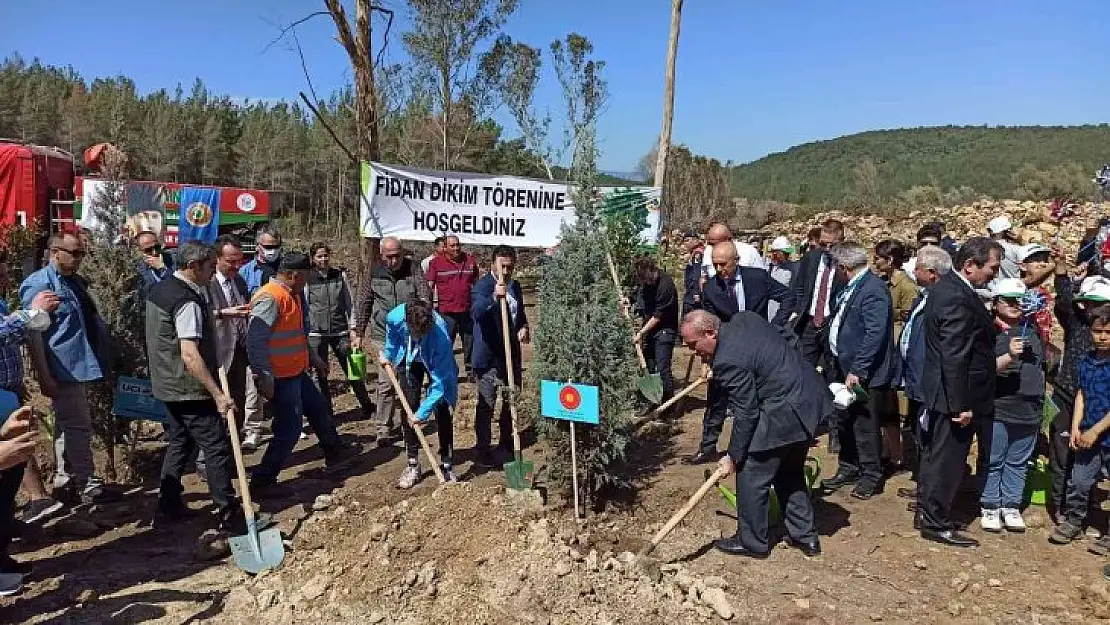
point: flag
(200, 215)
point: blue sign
(199, 215)
(135, 400)
(569, 402)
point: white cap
(1094, 289)
(1008, 287)
(1033, 248)
(781, 244)
(999, 224)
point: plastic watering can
(356, 365)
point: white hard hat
(781, 244)
(1008, 287)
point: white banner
(482, 209)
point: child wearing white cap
(1018, 403)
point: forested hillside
(1022, 162)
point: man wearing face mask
(258, 272)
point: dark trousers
(489, 381)
(861, 440)
(814, 343)
(919, 437)
(659, 353)
(341, 347)
(1089, 466)
(412, 383)
(9, 487)
(295, 399)
(713, 421)
(197, 425)
(942, 469)
(783, 468)
(461, 323)
(1060, 455)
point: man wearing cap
(781, 268)
(277, 348)
(1002, 231)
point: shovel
(519, 472)
(412, 420)
(710, 482)
(256, 551)
(650, 384)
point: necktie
(822, 296)
(732, 294)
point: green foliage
(949, 157)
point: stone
(715, 598)
(427, 573)
(715, 581)
(802, 603)
(575, 555)
(591, 560)
(323, 502)
(920, 565)
(994, 583)
(979, 568)
(267, 599)
(375, 618)
(626, 557)
(315, 587)
(955, 608)
(87, 595)
(959, 584)
(410, 578)
(524, 501)
(239, 601)
(563, 568)
(684, 579)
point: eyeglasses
(151, 251)
(73, 253)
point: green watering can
(356, 365)
(1038, 482)
(774, 510)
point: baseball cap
(1094, 289)
(1008, 287)
(294, 261)
(1031, 249)
(999, 224)
(781, 244)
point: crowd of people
(926, 354)
(905, 354)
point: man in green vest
(181, 343)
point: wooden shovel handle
(413, 422)
(509, 373)
(679, 395)
(682, 512)
(237, 451)
(617, 284)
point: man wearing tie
(816, 285)
(732, 289)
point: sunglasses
(271, 247)
(73, 253)
(151, 251)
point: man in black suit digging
(732, 289)
(776, 400)
(957, 383)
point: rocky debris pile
(467, 555)
(1032, 222)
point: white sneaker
(250, 442)
(990, 520)
(1011, 518)
(409, 477)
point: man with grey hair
(267, 253)
(861, 341)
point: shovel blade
(651, 387)
(518, 473)
(256, 556)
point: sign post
(574, 403)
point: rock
(684, 580)
(994, 583)
(959, 584)
(375, 618)
(323, 502)
(211, 546)
(802, 603)
(87, 595)
(410, 578)
(563, 568)
(524, 501)
(315, 587)
(920, 565)
(626, 557)
(240, 602)
(648, 567)
(979, 568)
(715, 598)
(955, 608)
(427, 573)
(591, 560)
(715, 581)
(575, 555)
(267, 599)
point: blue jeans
(294, 397)
(1090, 465)
(1011, 448)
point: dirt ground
(468, 553)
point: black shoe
(840, 480)
(9, 565)
(952, 538)
(173, 510)
(702, 457)
(486, 459)
(340, 456)
(864, 492)
(810, 549)
(733, 546)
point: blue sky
(754, 76)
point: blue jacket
(865, 342)
(150, 278)
(256, 275)
(914, 362)
(691, 278)
(69, 352)
(489, 350)
(437, 352)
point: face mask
(270, 256)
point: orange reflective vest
(288, 343)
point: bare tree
(668, 93)
(585, 93)
(514, 70)
(444, 40)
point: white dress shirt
(747, 256)
(817, 288)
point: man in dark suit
(776, 400)
(732, 289)
(957, 383)
(861, 341)
(816, 286)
